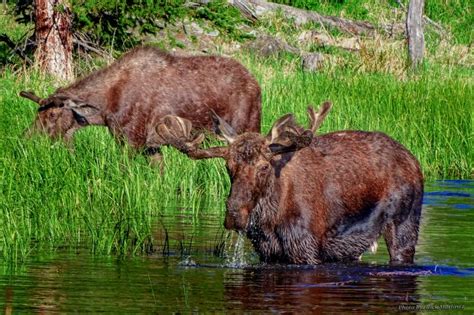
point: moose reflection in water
(305, 199)
(323, 289)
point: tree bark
(54, 38)
(254, 9)
(416, 39)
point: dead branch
(15, 48)
(81, 41)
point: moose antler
(44, 103)
(286, 135)
(176, 131)
(316, 119)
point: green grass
(455, 15)
(105, 197)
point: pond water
(198, 272)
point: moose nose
(236, 219)
(229, 223)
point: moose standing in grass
(133, 94)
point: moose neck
(262, 222)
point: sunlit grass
(105, 197)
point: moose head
(251, 158)
(60, 116)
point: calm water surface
(199, 273)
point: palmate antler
(285, 136)
(176, 131)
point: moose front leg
(154, 156)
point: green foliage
(225, 18)
(120, 24)
(457, 15)
(11, 32)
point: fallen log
(254, 9)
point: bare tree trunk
(416, 39)
(54, 38)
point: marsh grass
(106, 198)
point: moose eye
(263, 169)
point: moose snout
(236, 219)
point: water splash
(187, 262)
(237, 260)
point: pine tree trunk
(416, 39)
(54, 38)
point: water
(237, 258)
(200, 273)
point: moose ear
(222, 128)
(31, 96)
(287, 136)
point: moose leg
(401, 240)
(401, 216)
(401, 231)
(155, 157)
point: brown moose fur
(133, 94)
(332, 200)
(328, 201)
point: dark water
(196, 276)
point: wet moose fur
(133, 94)
(307, 200)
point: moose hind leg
(401, 241)
(401, 236)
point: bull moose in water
(134, 93)
(304, 199)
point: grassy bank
(106, 198)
